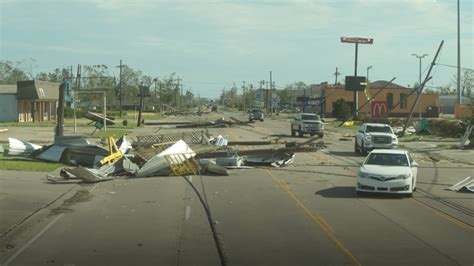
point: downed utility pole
(420, 90)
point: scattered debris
(219, 141)
(3, 130)
(165, 123)
(209, 167)
(465, 141)
(275, 160)
(18, 147)
(158, 164)
(233, 160)
(467, 184)
(99, 118)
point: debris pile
(95, 163)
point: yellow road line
(316, 219)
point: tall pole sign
(356, 41)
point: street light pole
(419, 57)
(368, 68)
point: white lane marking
(187, 213)
(33, 239)
(14, 256)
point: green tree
(11, 72)
(341, 109)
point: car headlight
(368, 137)
(363, 174)
(404, 176)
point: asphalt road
(304, 214)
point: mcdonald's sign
(378, 108)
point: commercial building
(386, 96)
(29, 101)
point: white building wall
(8, 108)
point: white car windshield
(378, 129)
(309, 117)
(387, 159)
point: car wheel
(261, 120)
(292, 133)
(413, 185)
(321, 135)
(356, 149)
(311, 134)
(409, 195)
(300, 133)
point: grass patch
(116, 133)
(9, 163)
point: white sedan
(388, 171)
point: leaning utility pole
(420, 90)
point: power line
(464, 68)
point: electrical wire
(217, 241)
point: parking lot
(306, 213)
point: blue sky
(211, 44)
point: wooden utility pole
(176, 92)
(120, 87)
(139, 122)
(60, 112)
(336, 74)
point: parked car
(256, 114)
(307, 123)
(374, 136)
(388, 171)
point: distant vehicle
(388, 171)
(374, 136)
(307, 123)
(256, 114)
(286, 111)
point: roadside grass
(426, 138)
(10, 163)
(116, 133)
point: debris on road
(158, 165)
(275, 160)
(233, 160)
(20, 148)
(467, 184)
(191, 137)
(219, 141)
(3, 130)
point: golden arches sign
(379, 108)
